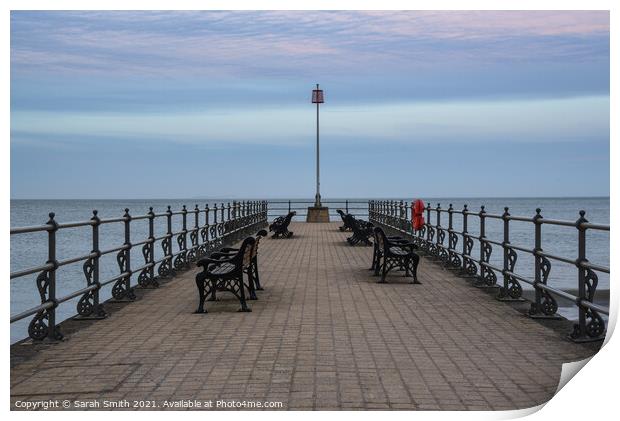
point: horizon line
(312, 199)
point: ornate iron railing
(431, 239)
(222, 225)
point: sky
(207, 104)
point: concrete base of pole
(317, 214)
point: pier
(322, 335)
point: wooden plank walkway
(323, 335)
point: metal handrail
(222, 225)
(301, 205)
(431, 238)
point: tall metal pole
(317, 199)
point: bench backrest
(379, 236)
(260, 234)
(288, 218)
(246, 251)
(359, 225)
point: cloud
(246, 43)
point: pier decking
(323, 335)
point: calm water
(29, 250)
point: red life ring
(417, 210)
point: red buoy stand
(417, 210)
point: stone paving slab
(323, 335)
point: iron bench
(252, 270)
(362, 230)
(395, 254)
(347, 220)
(377, 253)
(225, 273)
(280, 226)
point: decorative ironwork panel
(548, 306)
(40, 325)
(146, 277)
(165, 267)
(595, 325)
(453, 259)
(514, 290)
(441, 250)
(121, 289)
(88, 305)
(180, 261)
(470, 266)
(487, 275)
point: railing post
(88, 307)
(430, 233)
(203, 248)
(213, 229)
(43, 324)
(481, 218)
(180, 261)
(165, 267)
(289, 206)
(442, 253)
(487, 276)
(407, 225)
(147, 275)
(220, 227)
(346, 206)
(122, 290)
(581, 258)
(414, 233)
(453, 258)
(590, 326)
(237, 219)
(544, 305)
(465, 237)
(511, 290)
(192, 255)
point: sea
(30, 250)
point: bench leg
(414, 269)
(383, 271)
(374, 258)
(251, 284)
(378, 263)
(200, 284)
(212, 296)
(256, 277)
(244, 305)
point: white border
(590, 394)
